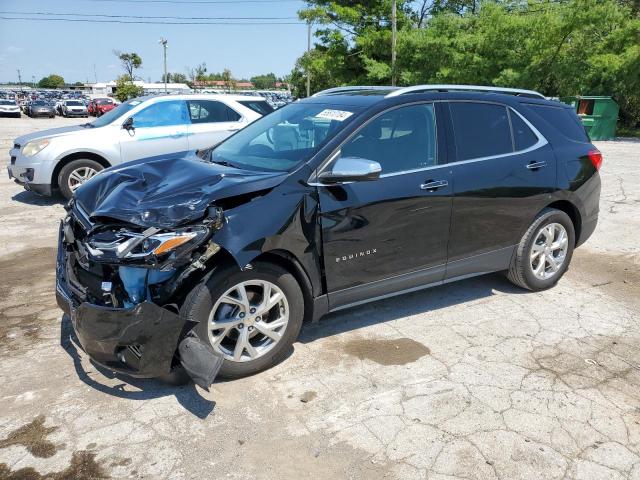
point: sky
(72, 49)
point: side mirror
(351, 169)
(128, 124)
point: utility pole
(163, 42)
(308, 50)
(19, 79)
(394, 33)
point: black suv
(216, 257)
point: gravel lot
(475, 379)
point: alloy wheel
(80, 175)
(549, 251)
(248, 320)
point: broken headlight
(127, 245)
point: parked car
(74, 108)
(99, 106)
(340, 199)
(40, 108)
(9, 108)
(62, 158)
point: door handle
(433, 185)
(536, 165)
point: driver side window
(400, 140)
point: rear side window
(258, 106)
(563, 119)
(209, 111)
(523, 136)
(480, 130)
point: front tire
(75, 173)
(544, 252)
(250, 317)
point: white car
(9, 107)
(73, 108)
(63, 158)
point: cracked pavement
(476, 379)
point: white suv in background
(63, 158)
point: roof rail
(354, 88)
(467, 88)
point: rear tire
(65, 180)
(544, 252)
(200, 303)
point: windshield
(73, 103)
(104, 101)
(38, 103)
(283, 139)
(7, 102)
(117, 112)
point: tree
(130, 62)
(264, 82)
(198, 73)
(179, 78)
(126, 89)
(227, 78)
(52, 81)
(560, 48)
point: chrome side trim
(388, 295)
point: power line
(141, 22)
(144, 17)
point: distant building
(221, 84)
(108, 88)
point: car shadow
(336, 323)
(409, 304)
(31, 198)
(148, 389)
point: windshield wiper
(88, 125)
(224, 163)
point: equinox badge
(352, 256)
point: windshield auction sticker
(338, 115)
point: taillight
(596, 158)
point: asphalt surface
(476, 379)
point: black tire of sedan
(255, 336)
(78, 166)
(544, 253)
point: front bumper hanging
(141, 341)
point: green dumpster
(599, 115)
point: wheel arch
(289, 262)
(76, 156)
(574, 214)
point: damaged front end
(122, 285)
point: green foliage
(559, 48)
(126, 89)
(264, 82)
(52, 81)
(175, 78)
(130, 62)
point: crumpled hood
(52, 132)
(167, 191)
